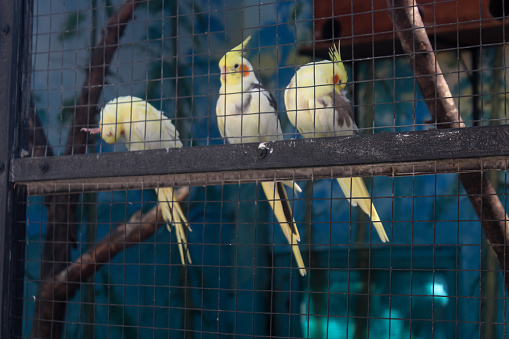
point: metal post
(12, 203)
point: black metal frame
(392, 154)
(388, 154)
(13, 92)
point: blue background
(436, 277)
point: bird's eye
(236, 66)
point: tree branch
(408, 23)
(102, 54)
(61, 227)
(37, 142)
(136, 230)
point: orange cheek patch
(336, 78)
(245, 70)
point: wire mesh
(110, 76)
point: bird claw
(91, 130)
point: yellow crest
(334, 54)
(236, 51)
(338, 67)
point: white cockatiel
(142, 127)
(317, 106)
(246, 112)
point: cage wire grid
(87, 250)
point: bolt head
(43, 167)
(261, 153)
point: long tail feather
(278, 200)
(292, 184)
(298, 257)
(182, 220)
(355, 187)
(179, 233)
(282, 210)
(172, 214)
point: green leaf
(118, 315)
(68, 107)
(43, 115)
(155, 33)
(71, 25)
(109, 8)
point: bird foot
(91, 130)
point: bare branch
(428, 74)
(136, 230)
(37, 142)
(61, 225)
(100, 60)
(408, 23)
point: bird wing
(306, 85)
(334, 114)
(219, 115)
(290, 102)
(264, 105)
(151, 129)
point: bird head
(112, 118)
(340, 77)
(234, 67)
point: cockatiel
(247, 112)
(143, 127)
(317, 106)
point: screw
(2, 167)
(5, 29)
(261, 152)
(43, 167)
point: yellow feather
(310, 89)
(220, 123)
(334, 53)
(145, 127)
(242, 45)
(338, 66)
(257, 123)
(237, 51)
(172, 214)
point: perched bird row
(246, 111)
